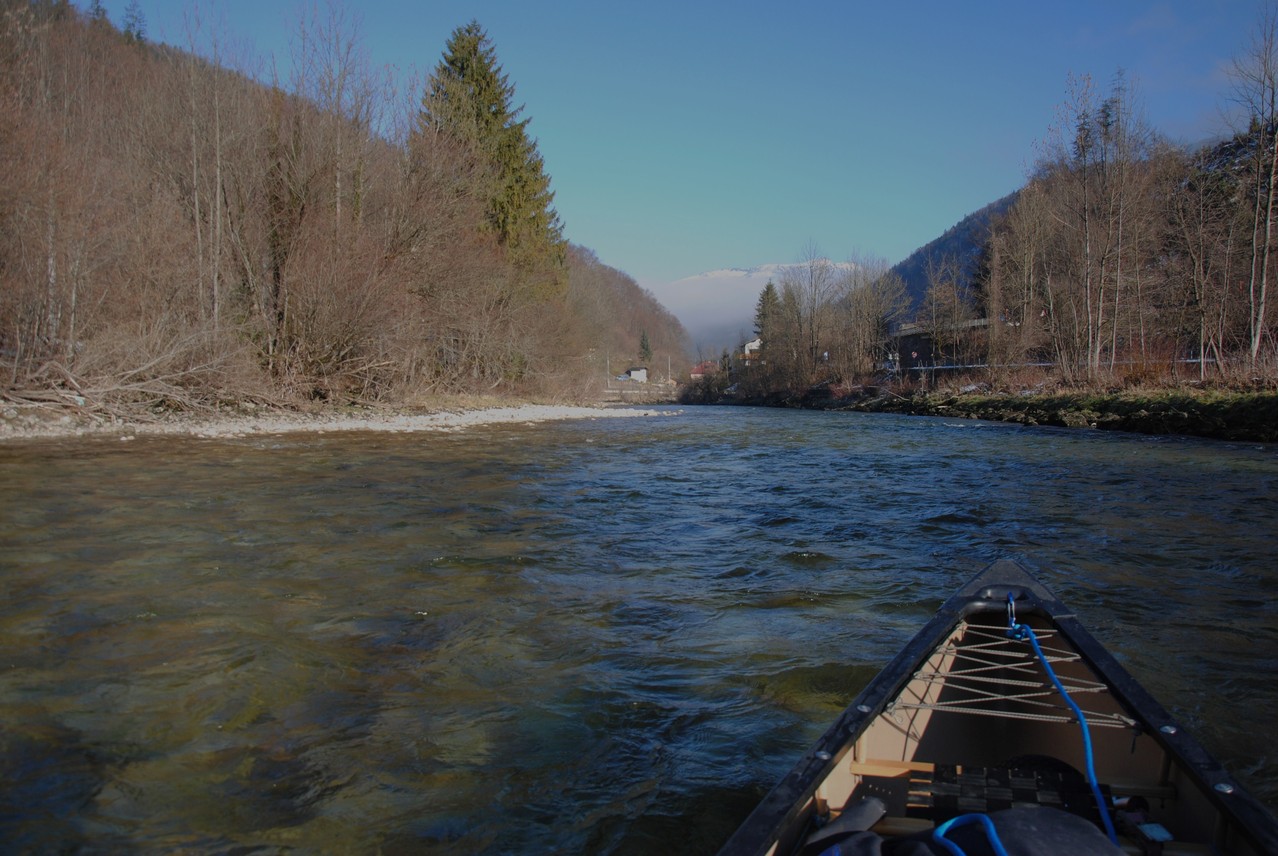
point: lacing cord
(1023, 632)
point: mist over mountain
(717, 307)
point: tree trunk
(1259, 329)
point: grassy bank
(1220, 414)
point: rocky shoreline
(1246, 416)
(1223, 415)
(31, 425)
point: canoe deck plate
(952, 790)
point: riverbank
(1217, 414)
(441, 415)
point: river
(583, 637)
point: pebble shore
(13, 425)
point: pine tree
(766, 312)
(645, 348)
(135, 22)
(470, 97)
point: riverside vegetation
(1220, 414)
(187, 233)
(1129, 283)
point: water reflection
(588, 637)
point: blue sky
(689, 136)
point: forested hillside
(1125, 259)
(1125, 256)
(176, 234)
(961, 247)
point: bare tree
(1202, 236)
(1255, 79)
(1094, 184)
(1018, 303)
(813, 283)
(947, 308)
(871, 302)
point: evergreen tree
(134, 22)
(766, 312)
(645, 348)
(470, 97)
(759, 378)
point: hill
(962, 242)
(176, 235)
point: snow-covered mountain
(717, 307)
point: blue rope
(1024, 632)
(938, 834)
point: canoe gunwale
(782, 814)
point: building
(703, 368)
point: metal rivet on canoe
(863, 708)
(1224, 787)
(823, 755)
(1168, 729)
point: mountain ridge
(963, 242)
(717, 306)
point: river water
(583, 637)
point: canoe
(1005, 724)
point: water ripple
(603, 637)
